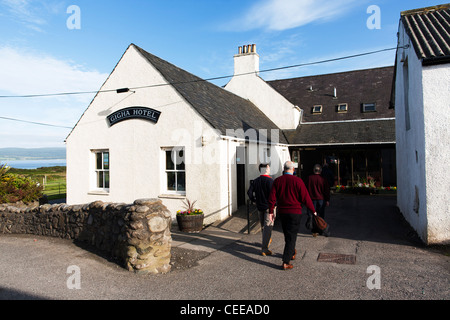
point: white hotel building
(179, 137)
(157, 131)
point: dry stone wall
(137, 234)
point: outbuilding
(422, 105)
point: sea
(34, 164)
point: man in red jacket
(288, 194)
(319, 191)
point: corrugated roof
(221, 108)
(429, 31)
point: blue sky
(40, 54)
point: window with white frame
(342, 107)
(317, 109)
(102, 169)
(174, 170)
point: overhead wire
(185, 82)
(33, 122)
(208, 79)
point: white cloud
(30, 73)
(23, 73)
(22, 11)
(288, 14)
(31, 13)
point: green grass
(52, 178)
(56, 187)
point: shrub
(14, 187)
(3, 170)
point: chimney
(247, 60)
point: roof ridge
(221, 108)
(425, 10)
(145, 52)
(197, 78)
(334, 73)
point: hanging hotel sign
(133, 113)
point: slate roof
(353, 88)
(221, 108)
(429, 31)
(343, 133)
(225, 110)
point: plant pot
(190, 223)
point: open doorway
(240, 175)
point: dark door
(240, 175)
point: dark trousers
(290, 222)
(266, 227)
(320, 207)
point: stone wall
(137, 234)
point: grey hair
(317, 168)
(288, 165)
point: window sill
(99, 192)
(172, 196)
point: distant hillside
(32, 153)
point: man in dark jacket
(319, 191)
(259, 193)
(289, 193)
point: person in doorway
(259, 193)
(327, 173)
(319, 192)
(289, 193)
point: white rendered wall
(268, 100)
(136, 158)
(423, 151)
(436, 93)
(410, 144)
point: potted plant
(191, 219)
